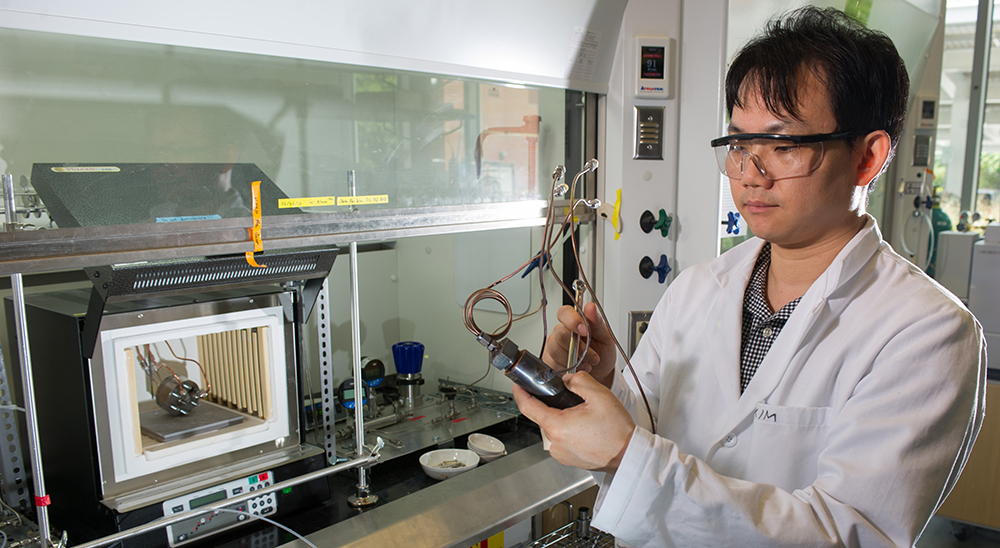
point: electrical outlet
(637, 322)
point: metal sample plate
(164, 427)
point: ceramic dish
(447, 463)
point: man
(810, 387)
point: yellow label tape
(285, 203)
(86, 169)
(363, 200)
(333, 200)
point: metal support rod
(574, 340)
(175, 518)
(363, 497)
(27, 382)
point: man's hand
(601, 356)
(592, 435)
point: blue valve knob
(663, 268)
(646, 268)
(733, 223)
(927, 203)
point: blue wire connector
(534, 263)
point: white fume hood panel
(557, 43)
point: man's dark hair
(861, 69)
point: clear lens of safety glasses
(773, 156)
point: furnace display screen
(208, 499)
(652, 62)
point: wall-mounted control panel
(653, 75)
(648, 133)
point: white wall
(685, 182)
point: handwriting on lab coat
(764, 415)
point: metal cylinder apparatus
(408, 357)
(532, 374)
(409, 389)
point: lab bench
(417, 511)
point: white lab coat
(852, 432)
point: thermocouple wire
(548, 241)
(590, 166)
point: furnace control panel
(219, 520)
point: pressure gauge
(345, 393)
(372, 371)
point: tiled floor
(939, 535)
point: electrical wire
(208, 382)
(146, 368)
(489, 368)
(156, 366)
(271, 521)
(590, 166)
(549, 240)
(7, 507)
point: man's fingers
(530, 406)
(582, 384)
(570, 318)
(597, 326)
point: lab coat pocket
(786, 443)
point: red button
(263, 477)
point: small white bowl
(486, 446)
(490, 458)
(447, 463)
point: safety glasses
(774, 156)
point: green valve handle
(663, 223)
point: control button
(181, 538)
(266, 511)
(237, 490)
(730, 440)
(241, 517)
(263, 477)
(177, 509)
(253, 479)
(254, 505)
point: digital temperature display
(208, 499)
(652, 60)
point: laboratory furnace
(172, 386)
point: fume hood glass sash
(432, 153)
